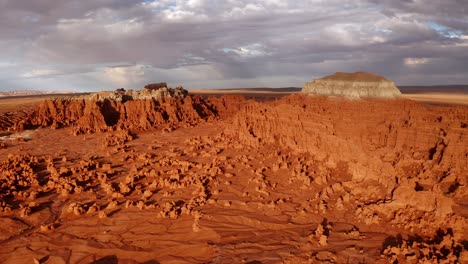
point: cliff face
(100, 115)
(399, 153)
(315, 124)
(352, 85)
(356, 131)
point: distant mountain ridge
(31, 92)
(264, 89)
(463, 89)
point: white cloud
(136, 76)
(345, 33)
(251, 50)
(124, 76)
(416, 61)
(6, 64)
(277, 3)
(197, 3)
(35, 73)
(100, 25)
(246, 10)
(187, 74)
(125, 28)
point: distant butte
(353, 85)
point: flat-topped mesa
(150, 91)
(352, 85)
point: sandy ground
(236, 91)
(15, 104)
(436, 98)
(443, 98)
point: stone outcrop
(406, 163)
(156, 86)
(352, 85)
(90, 115)
(318, 180)
(150, 91)
(106, 111)
(99, 113)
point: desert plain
(235, 176)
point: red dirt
(225, 180)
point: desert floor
(442, 98)
(428, 97)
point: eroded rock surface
(150, 91)
(401, 163)
(89, 115)
(297, 180)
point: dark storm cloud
(47, 44)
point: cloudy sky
(91, 45)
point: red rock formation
(366, 181)
(391, 131)
(402, 156)
(10, 119)
(91, 115)
(227, 106)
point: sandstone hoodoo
(353, 85)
